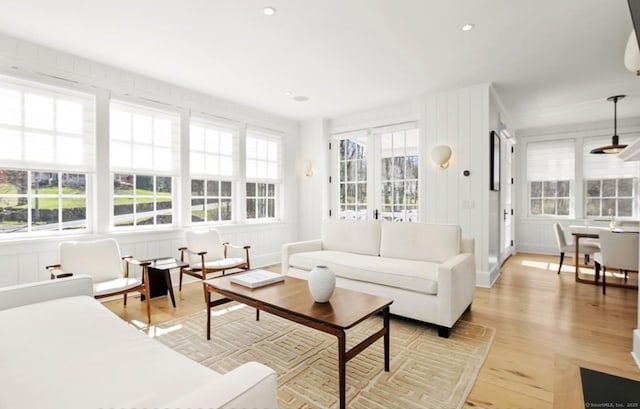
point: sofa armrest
(456, 286)
(251, 385)
(298, 247)
(31, 293)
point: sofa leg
(444, 332)
(468, 308)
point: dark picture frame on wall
(495, 161)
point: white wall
(459, 118)
(25, 260)
(313, 203)
(535, 234)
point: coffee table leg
(387, 336)
(167, 281)
(342, 367)
(208, 312)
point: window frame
(69, 135)
(276, 180)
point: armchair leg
(125, 299)
(604, 280)
(586, 259)
(444, 332)
(597, 268)
(561, 260)
(181, 273)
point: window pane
(197, 187)
(398, 192)
(351, 193)
(251, 208)
(387, 168)
(608, 207)
(262, 189)
(398, 168)
(362, 193)
(225, 189)
(351, 150)
(262, 207)
(213, 188)
(271, 191)
(144, 185)
(536, 189)
(593, 207)
(625, 187)
(609, 188)
(225, 209)
(197, 210)
(412, 167)
(362, 170)
(550, 206)
(563, 207)
(564, 187)
(593, 188)
(163, 185)
(251, 189)
(213, 210)
(73, 183)
(351, 171)
(549, 190)
(74, 210)
(271, 206)
(625, 207)
(387, 193)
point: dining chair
(617, 251)
(101, 259)
(207, 253)
(586, 248)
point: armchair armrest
(289, 249)
(56, 271)
(23, 294)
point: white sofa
(427, 269)
(60, 348)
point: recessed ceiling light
(467, 27)
(288, 93)
(269, 11)
(300, 98)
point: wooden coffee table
(290, 299)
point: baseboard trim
(486, 279)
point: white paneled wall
(535, 234)
(25, 260)
(460, 119)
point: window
(211, 159)
(609, 182)
(263, 175)
(399, 174)
(610, 197)
(550, 175)
(353, 176)
(47, 136)
(261, 200)
(145, 148)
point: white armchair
(101, 260)
(207, 253)
(618, 251)
(586, 248)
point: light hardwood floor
(547, 325)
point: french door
(376, 174)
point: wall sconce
(441, 154)
(308, 168)
(632, 55)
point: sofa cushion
(435, 243)
(418, 276)
(354, 236)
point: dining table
(592, 232)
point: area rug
(426, 371)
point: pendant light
(615, 147)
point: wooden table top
(345, 309)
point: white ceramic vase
(322, 282)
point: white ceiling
(552, 61)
